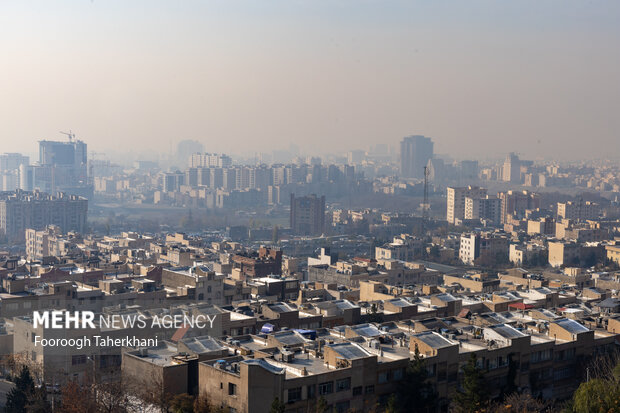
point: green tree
(511, 376)
(392, 405)
(17, 399)
(277, 406)
(473, 397)
(597, 395)
(434, 252)
(37, 401)
(415, 393)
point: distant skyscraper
(62, 167)
(10, 164)
(308, 215)
(186, 148)
(72, 153)
(12, 161)
(415, 152)
(469, 171)
(511, 171)
(209, 160)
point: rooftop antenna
(70, 134)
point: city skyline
(536, 78)
(327, 206)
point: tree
(153, 391)
(18, 397)
(473, 397)
(111, 397)
(37, 401)
(76, 399)
(182, 403)
(392, 405)
(202, 405)
(277, 406)
(519, 403)
(597, 395)
(375, 316)
(511, 376)
(415, 393)
(434, 252)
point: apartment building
(516, 203)
(485, 209)
(456, 200)
(20, 210)
(347, 375)
(579, 211)
(486, 246)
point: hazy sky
(539, 77)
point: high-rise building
(172, 181)
(487, 208)
(209, 160)
(355, 157)
(186, 148)
(468, 171)
(20, 210)
(72, 153)
(308, 215)
(515, 203)
(62, 167)
(511, 171)
(415, 151)
(455, 206)
(10, 164)
(12, 161)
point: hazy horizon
(481, 78)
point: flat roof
(433, 339)
(349, 351)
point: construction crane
(70, 134)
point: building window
(343, 384)
(326, 388)
(209, 289)
(357, 390)
(232, 389)
(397, 374)
(383, 377)
(311, 391)
(79, 359)
(294, 394)
(370, 389)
